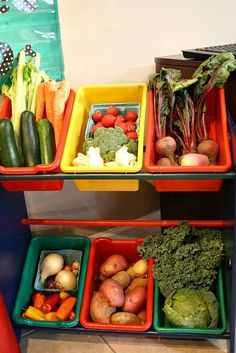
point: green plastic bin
(26, 288)
(161, 324)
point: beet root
(165, 147)
(164, 162)
(210, 148)
(194, 159)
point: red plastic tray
(217, 125)
(37, 185)
(100, 249)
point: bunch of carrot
(50, 103)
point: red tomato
(133, 116)
(132, 135)
(112, 110)
(96, 126)
(108, 120)
(97, 116)
(130, 125)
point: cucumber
(29, 139)
(9, 155)
(46, 141)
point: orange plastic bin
(217, 126)
(38, 185)
(100, 249)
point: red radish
(97, 116)
(210, 148)
(132, 135)
(194, 159)
(130, 125)
(165, 147)
(96, 126)
(164, 162)
(133, 116)
(108, 120)
(112, 110)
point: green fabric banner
(31, 25)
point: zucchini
(29, 139)
(46, 141)
(9, 155)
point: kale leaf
(184, 256)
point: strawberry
(130, 126)
(119, 120)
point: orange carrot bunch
(51, 101)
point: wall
(113, 41)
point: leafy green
(212, 72)
(185, 256)
(192, 308)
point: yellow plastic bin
(114, 94)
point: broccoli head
(132, 146)
(109, 140)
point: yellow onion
(65, 280)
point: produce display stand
(16, 234)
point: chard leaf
(219, 66)
(173, 79)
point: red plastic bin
(100, 249)
(217, 126)
(54, 167)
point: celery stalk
(20, 104)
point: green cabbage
(192, 308)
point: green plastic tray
(26, 288)
(161, 324)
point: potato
(137, 282)
(113, 292)
(124, 318)
(135, 300)
(123, 278)
(100, 310)
(130, 271)
(138, 269)
(113, 264)
(141, 315)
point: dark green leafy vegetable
(185, 256)
(192, 308)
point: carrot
(58, 114)
(40, 102)
(65, 87)
(65, 308)
(50, 88)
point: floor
(50, 342)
